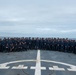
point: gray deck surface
(37, 62)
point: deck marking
(42, 68)
(66, 64)
(73, 68)
(56, 68)
(19, 67)
(38, 64)
(12, 62)
(4, 66)
(38, 67)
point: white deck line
(72, 68)
(56, 68)
(3, 66)
(38, 64)
(20, 67)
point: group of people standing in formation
(28, 43)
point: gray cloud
(38, 18)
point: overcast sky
(38, 18)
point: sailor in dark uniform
(70, 46)
(50, 44)
(20, 46)
(37, 43)
(24, 46)
(66, 45)
(57, 44)
(75, 48)
(47, 44)
(7, 48)
(53, 44)
(42, 43)
(62, 46)
(27, 43)
(30, 43)
(12, 47)
(0, 45)
(3, 45)
(15, 47)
